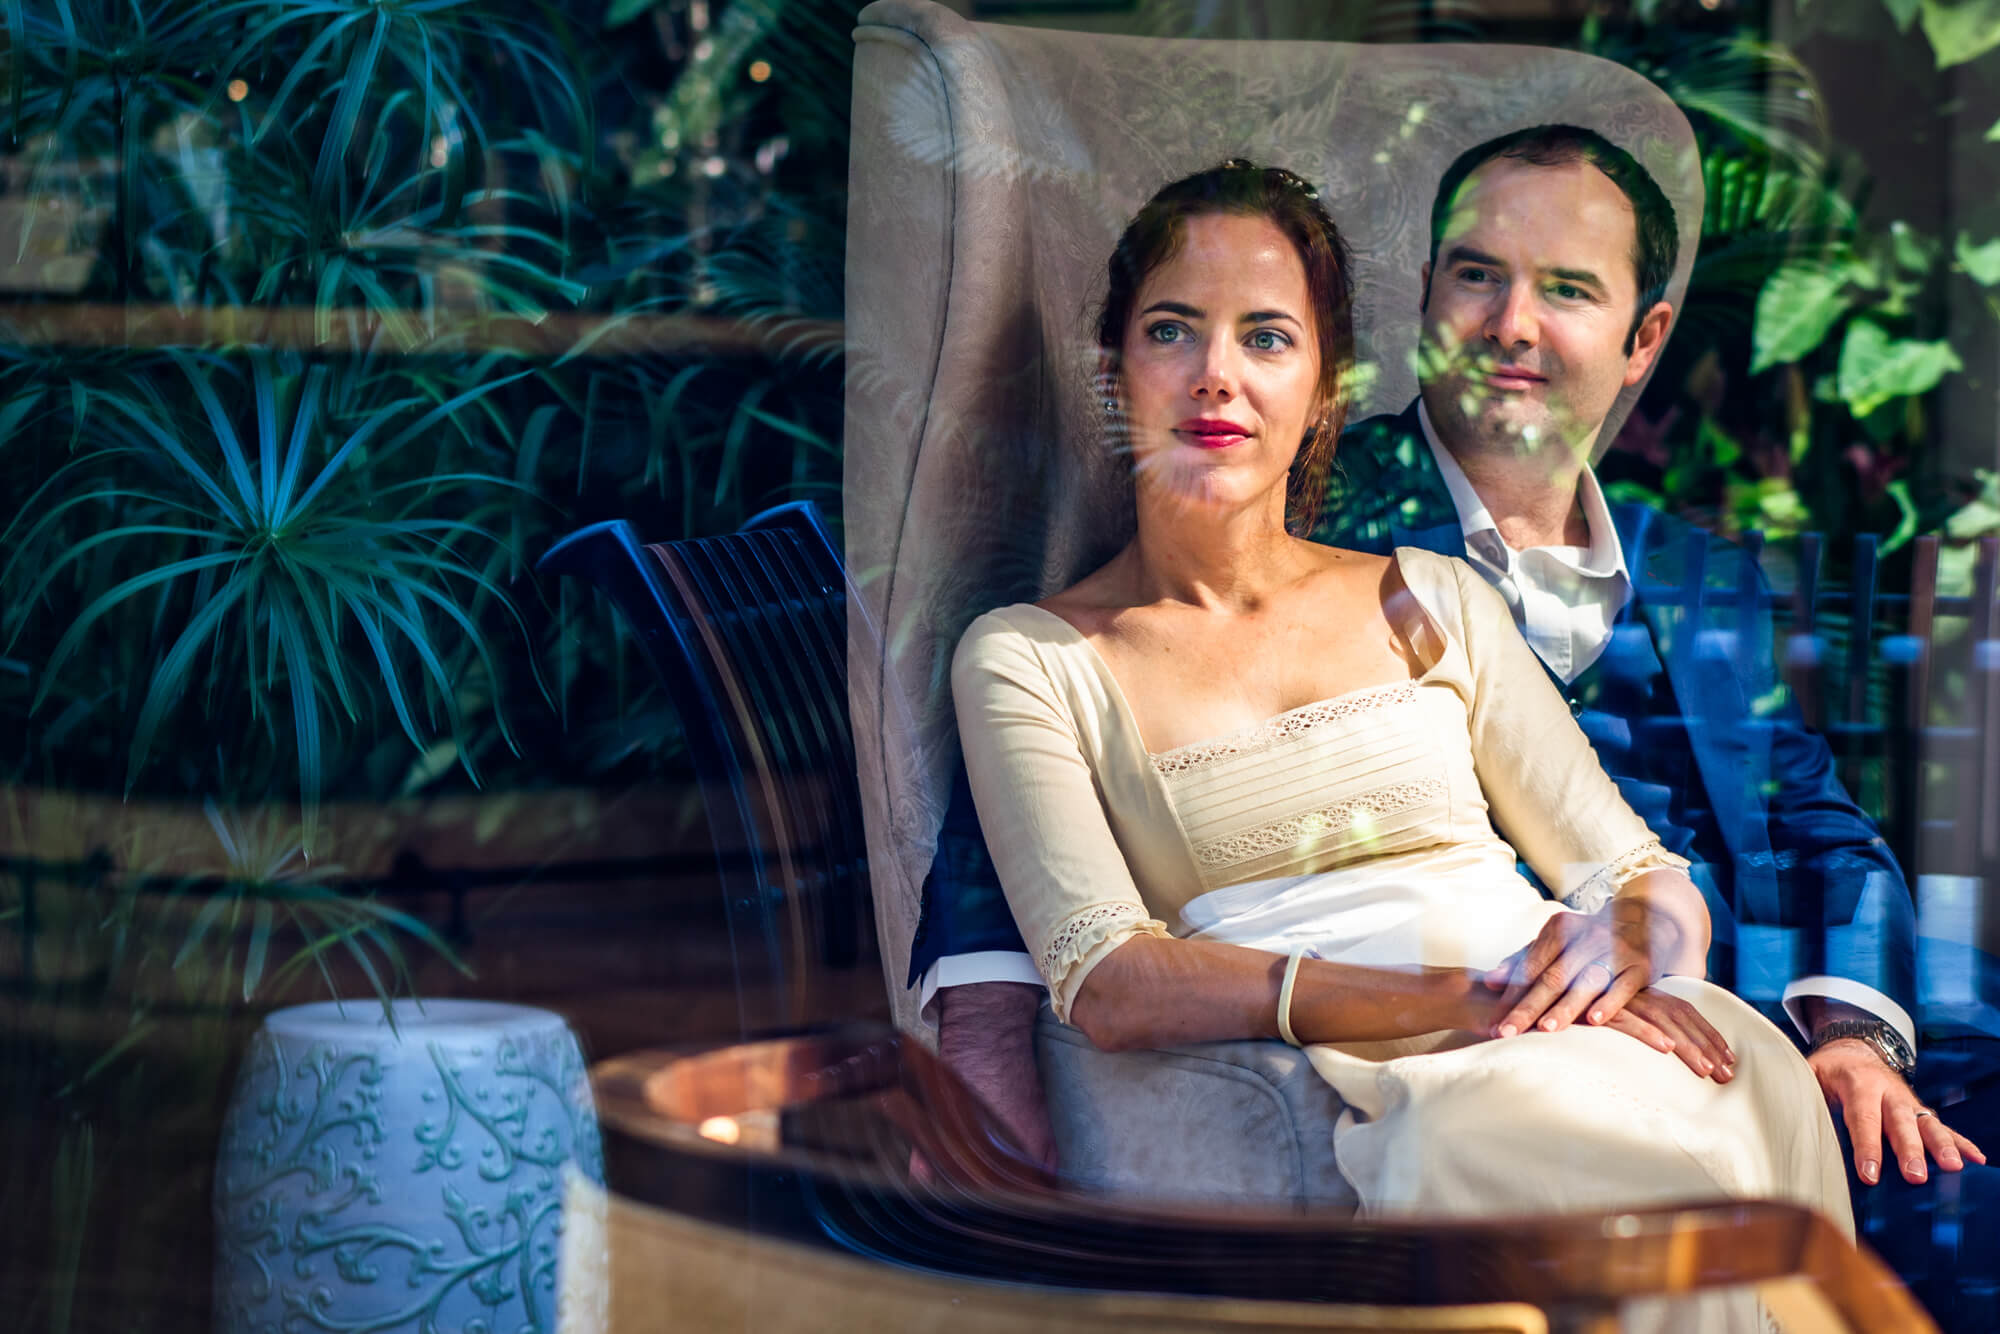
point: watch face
(1895, 1052)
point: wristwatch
(1883, 1037)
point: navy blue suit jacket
(1808, 886)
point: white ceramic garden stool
(405, 1178)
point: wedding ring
(1599, 963)
(1923, 1112)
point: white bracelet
(1285, 995)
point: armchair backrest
(992, 169)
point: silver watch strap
(1880, 1035)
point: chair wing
(992, 168)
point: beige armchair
(992, 168)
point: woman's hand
(1667, 1023)
(1662, 1021)
(1595, 962)
(1591, 965)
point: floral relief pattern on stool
(405, 1182)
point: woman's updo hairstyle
(1292, 205)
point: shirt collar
(1606, 554)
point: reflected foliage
(352, 517)
(320, 320)
(1800, 391)
(245, 559)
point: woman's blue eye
(1165, 333)
(1269, 340)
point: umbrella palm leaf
(384, 245)
(344, 48)
(294, 558)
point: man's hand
(986, 1036)
(1585, 962)
(1874, 1100)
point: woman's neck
(1229, 561)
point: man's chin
(1512, 425)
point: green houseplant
(370, 312)
(1801, 390)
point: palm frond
(305, 540)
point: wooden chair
(748, 1178)
(765, 1183)
(749, 634)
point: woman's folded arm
(1162, 992)
(1065, 877)
(1111, 966)
(1551, 797)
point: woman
(1289, 753)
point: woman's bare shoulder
(1348, 570)
(1092, 603)
(1365, 589)
(1346, 558)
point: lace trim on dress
(1603, 883)
(1183, 759)
(1340, 818)
(1081, 933)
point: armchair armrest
(1215, 1122)
(806, 1138)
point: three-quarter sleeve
(1041, 809)
(1546, 788)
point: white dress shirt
(1566, 600)
(957, 970)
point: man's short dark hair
(1657, 243)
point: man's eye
(1473, 275)
(1570, 292)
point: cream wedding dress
(1363, 826)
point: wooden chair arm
(808, 1137)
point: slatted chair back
(1917, 692)
(749, 633)
(1977, 831)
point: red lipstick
(1211, 432)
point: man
(1542, 299)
